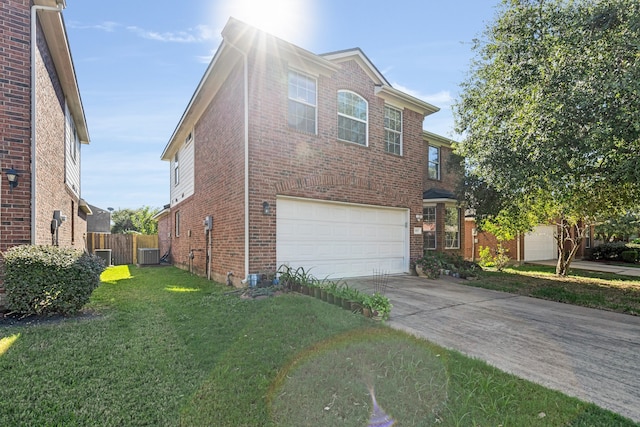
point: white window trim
(401, 132)
(366, 122)
(315, 106)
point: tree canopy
(139, 220)
(550, 114)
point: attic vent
(148, 256)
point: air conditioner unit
(148, 256)
(104, 254)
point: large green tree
(550, 115)
(139, 220)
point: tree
(550, 114)
(620, 228)
(139, 220)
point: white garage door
(341, 240)
(540, 244)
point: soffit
(52, 24)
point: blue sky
(138, 64)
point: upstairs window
(434, 162)
(176, 170)
(393, 130)
(302, 102)
(352, 118)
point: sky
(139, 62)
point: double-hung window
(434, 162)
(392, 130)
(352, 117)
(452, 228)
(429, 227)
(302, 102)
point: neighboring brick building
(42, 126)
(301, 159)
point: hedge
(613, 251)
(46, 280)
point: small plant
(430, 265)
(499, 261)
(629, 256)
(379, 305)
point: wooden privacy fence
(124, 247)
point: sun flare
(291, 20)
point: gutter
(34, 48)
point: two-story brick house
(42, 127)
(299, 159)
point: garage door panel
(540, 243)
(346, 240)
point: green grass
(604, 291)
(160, 347)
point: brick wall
(15, 131)
(283, 161)
(219, 188)
(52, 193)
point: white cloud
(107, 26)
(442, 99)
(198, 34)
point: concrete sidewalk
(595, 266)
(589, 354)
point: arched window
(352, 118)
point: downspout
(34, 47)
(246, 159)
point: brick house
(287, 157)
(537, 245)
(42, 127)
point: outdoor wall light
(418, 217)
(12, 177)
(266, 208)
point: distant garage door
(539, 244)
(341, 240)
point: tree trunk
(572, 241)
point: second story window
(434, 162)
(302, 102)
(352, 117)
(392, 130)
(176, 170)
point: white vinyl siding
(331, 239)
(182, 173)
(71, 153)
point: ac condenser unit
(104, 254)
(148, 256)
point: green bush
(612, 251)
(47, 280)
(629, 256)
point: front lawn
(161, 347)
(604, 291)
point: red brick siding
(165, 224)
(286, 162)
(15, 131)
(52, 193)
(219, 187)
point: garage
(540, 244)
(335, 240)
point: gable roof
(238, 38)
(55, 34)
(383, 88)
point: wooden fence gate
(124, 247)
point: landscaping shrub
(47, 280)
(500, 260)
(629, 256)
(612, 251)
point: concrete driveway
(591, 354)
